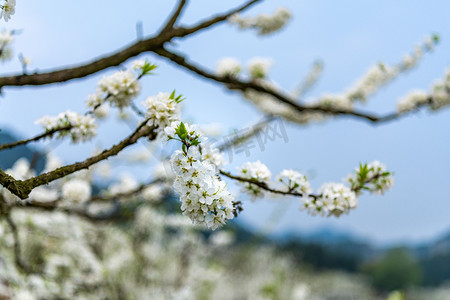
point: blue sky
(348, 37)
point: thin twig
(17, 247)
(290, 192)
(173, 19)
(264, 185)
(49, 133)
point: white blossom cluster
(118, 89)
(440, 94)
(83, 128)
(76, 190)
(258, 67)
(138, 64)
(373, 176)
(438, 98)
(381, 74)
(255, 171)
(374, 78)
(6, 39)
(126, 184)
(162, 110)
(228, 66)
(268, 104)
(7, 9)
(213, 155)
(295, 182)
(413, 100)
(334, 101)
(334, 200)
(411, 60)
(265, 24)
(204, 198)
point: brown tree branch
(73, 72)
(113, 213)
(131, 193)
(240, 138)
(183, 31)
(173, 19)
(22, 188)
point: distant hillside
(9, 156)
(434, 259)
(331, 249)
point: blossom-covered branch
(331, 199)
(250, 85)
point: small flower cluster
(372, 177)
(204, 197)
(258, 67)
(375, 77)
(411, 60)
(120, 88)
(162, 109)
(264, 24)
(440, 94)
(80, 128)
(335, 102)
(381, 74)
(437, 99)
(6, 39)
(213, 155)
(228, 66)
(334, 200)
(125, 185)
(7, 9)
(295, 182)
(413, 100)
(256, 171)
(76, 190)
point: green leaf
(172, 96)
(181, 131)
(436, 38)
